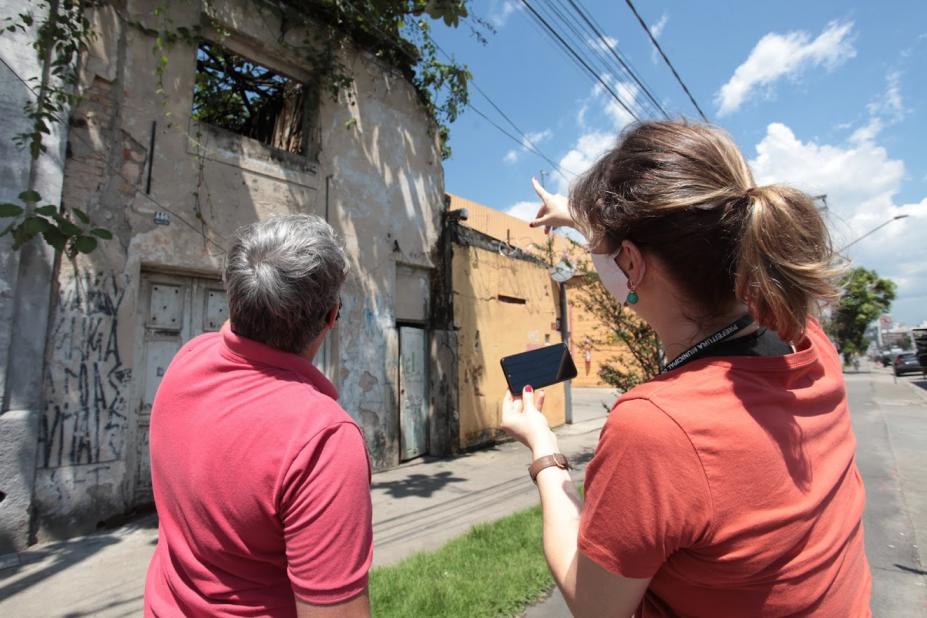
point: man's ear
(331, 318)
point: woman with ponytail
(727, 485)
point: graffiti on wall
(86, 385)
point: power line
(553, 32)
(589, 42)
(526, 146)
(587, 18)
(524, 142)
(653, 39)
(585, 42)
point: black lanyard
(690, 354)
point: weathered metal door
(413, 392)
(174, 310)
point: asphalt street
(890, 421)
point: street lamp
(872, 231)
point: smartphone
(539, 368)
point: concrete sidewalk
(418, 506)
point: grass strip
(495, 569)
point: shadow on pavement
(130, 611)
(921, 383)
(63, 555)
(423, 485)
(908, 569)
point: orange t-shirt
(732, 483)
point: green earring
(632, 297)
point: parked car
(920, 344)
(887, 357)
(907, 363)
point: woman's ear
(631, 261)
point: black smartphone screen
(539, 368)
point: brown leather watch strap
(547, 461)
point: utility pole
(564, 328)
(543, 174)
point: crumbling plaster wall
(25, 277)
(378, 179)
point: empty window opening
(502, 298)
(242, 96)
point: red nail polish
(528, 389)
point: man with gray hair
(261, 480)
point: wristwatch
(556, 459)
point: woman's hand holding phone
(522, 419)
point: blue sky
(828, 96)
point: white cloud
(785, 55)
(581, 115)
(501, 11)
(586, 151)
(524, 210)
(890, 103)
(605, 44)
(867, 132)
(531, 138)
(536, 137)
(597, 141)
(861, 181)
(628, 92)
(656, 30)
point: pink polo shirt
(262, 485)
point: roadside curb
(917, 389)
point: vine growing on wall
(62, 34)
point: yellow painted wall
(583, 326)
(491, 328)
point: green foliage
(641, 362)
(495, 569)
(56, 227)
(62, 35)
(864, 297)
(239, 95)
(397, 32)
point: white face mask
(611, 276)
